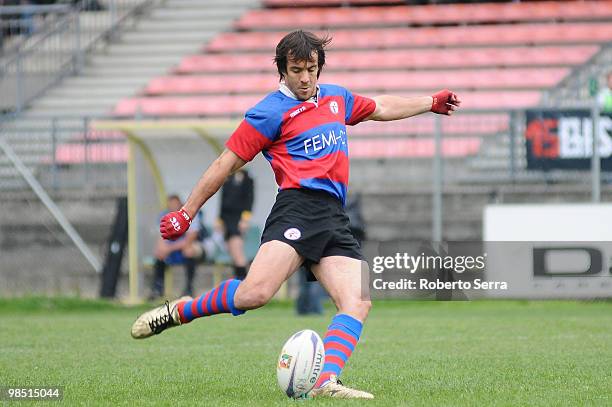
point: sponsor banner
(543, 270)
(549, 251)
(563, 139)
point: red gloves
(174, 224)
(445, 102)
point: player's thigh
(274, 263)
(341, 276)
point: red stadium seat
(367, 81)
(416, 148)
(395, 59)
(76, 153)
(314, 3)
(237, 105)
(356, 17)
(186, 106)
(507, 34)
(461, 124)
(359, 149)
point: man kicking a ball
(301, 130)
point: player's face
(610, 80)
(301, 77)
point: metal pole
(79, 58)
(54, 152)
(133, 259)
(113, 7)
(51, 206)
(437, 182)
(19, 85)
(595, 159)
(86, 149)
(513, 134)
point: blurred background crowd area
(525, 71)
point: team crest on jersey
(333, 106)
(292, 234)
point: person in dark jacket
(236, 205)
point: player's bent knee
(251, 298)
(357, 308)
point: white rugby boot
(158, 319)
(335, 388)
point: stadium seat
(371, 148)
(406, 59)
(412, 148)
(460, 125)
(356, 17)
(314, 3)
(381, 38)
(76, 153)
(237, 105)
(367, 81)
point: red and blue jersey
(304, 141)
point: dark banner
(563, 139)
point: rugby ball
(300, 363)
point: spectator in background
(236, 205)
(605, 96)
(184, 250)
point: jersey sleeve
(257, 131)
(357, 108)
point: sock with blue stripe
(339, 342)
(219, 300)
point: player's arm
(212, 180)
(389, 107)
(175, 224)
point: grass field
(411, 353)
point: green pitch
(417, 353)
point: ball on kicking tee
(300, 363)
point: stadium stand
(149, 47)
(546, 56)
(213, 59)
(237, 105)
(475, 35)
(368, 81)
(511, 52)
(357, 17)
(187, 59)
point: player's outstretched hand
(445, 102)
(174, 224)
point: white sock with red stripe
(340, 341)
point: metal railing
(19, 23)
(66, 154)
(477, 148)
(40, 58)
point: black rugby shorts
(313, 223)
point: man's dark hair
(300, 45)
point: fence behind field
(40, 45)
